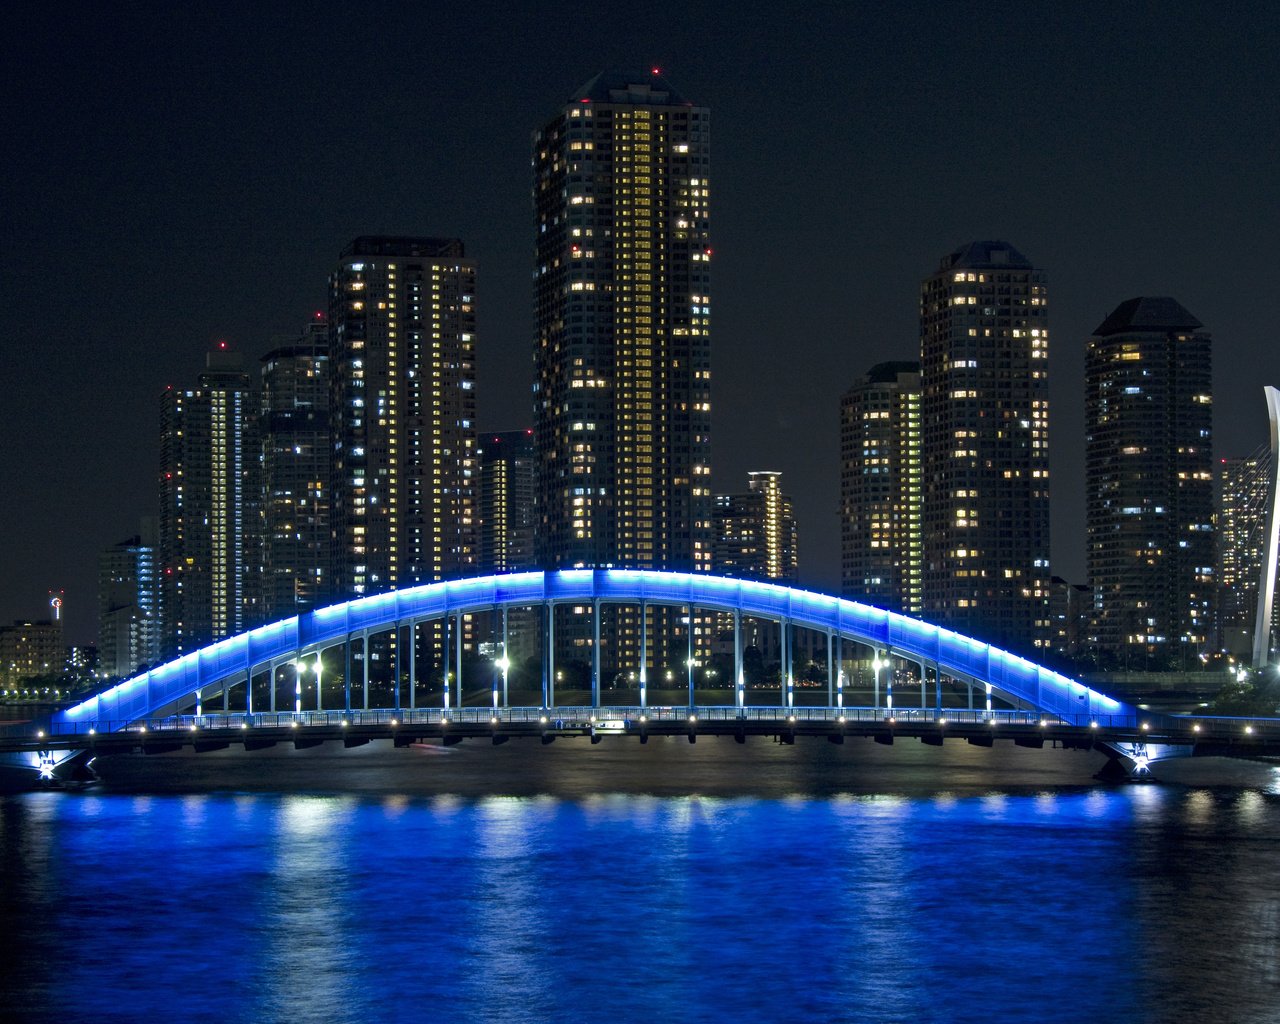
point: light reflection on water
(944, 903)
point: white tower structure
(1267, 580)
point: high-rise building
(1244, 489)
(31, 649)
(294, 431)
(756, 538)
(623, 349)
(508, 483)
(880, 488)
(209, 555)
(755, 531)
(984, 384)
(128, 604)
(1070, 609)
(1149, 484)
(402, 414)
(622, 403)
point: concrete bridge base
(1131, 762)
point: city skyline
(174, 206)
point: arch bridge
(938, 654)
(978, 690)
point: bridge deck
(1206, 736)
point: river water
(671, 882)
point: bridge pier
(1132, 761)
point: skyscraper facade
(1149, 484)
(1244, 490)
(402, 414)
(507, 488)
(209, 555)
(31, 649)
(984, 384)
(623, 318)
(755, 531)
(880, 488)
(294, 430)
(128, 599)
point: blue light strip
(149, 693)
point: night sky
(184, 174)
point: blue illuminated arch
(237, 658)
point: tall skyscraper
(880, 488)
(294, 429)
(1244, 492)
(755, 531)
(402, 414)
(209, 554)
(128, 599)
(623, 308)
(984, 383)
(1149, 481)
(508, 484)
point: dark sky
(181, 174)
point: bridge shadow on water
(666, 766)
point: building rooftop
(987, 255)
(1148, 313)
(887, 373)
(395, 245)
(630, 85)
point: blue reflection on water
(1114, 905)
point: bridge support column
(549, 676)
(969, 684)
(506, 661)
(839, 671)
(937, 686)
(444, 663)
(785, 633)
(346, 674)
(831, 682)
(875, 673)
(595, 653)
(413, 665)
(457, 682)
(644, 654)
(739, 683)
(364, 660)
(395, 662)
(688, 661)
